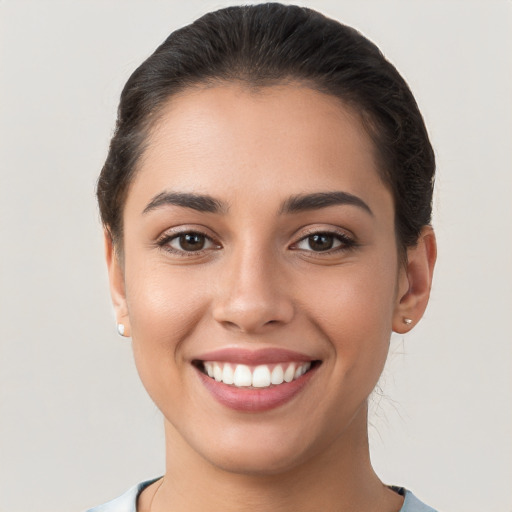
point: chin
(256, 462)
(258, 450)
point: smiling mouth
(256, 377)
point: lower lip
(254, 399)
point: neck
(339, 478)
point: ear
(415, 282)
(116, 280)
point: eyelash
(345, 242)
(165, 241)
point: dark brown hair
(273, 43)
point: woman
(266, 202)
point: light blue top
(128, 501)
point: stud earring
(120, 329)
(407, 321)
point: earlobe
(415, 282)
(117, 288)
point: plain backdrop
(76, 427)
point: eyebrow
(305, 202)
(199, 202)
(294, 204)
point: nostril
(231, 325)
(251, 311)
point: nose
(253, 295)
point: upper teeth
(261, 376)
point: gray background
(76, 427)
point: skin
(258, 283)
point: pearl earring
(120, 329)
(407, 321)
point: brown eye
(190, 242)
(321, 242)
(324, 242)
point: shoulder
(126, 502)
(411, 503)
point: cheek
(165, 305)
(163, 297)
(160, 305)
(353, 306)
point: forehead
(277, 140)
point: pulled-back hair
(266, 44)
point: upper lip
(254, 357)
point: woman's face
(257, 234)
